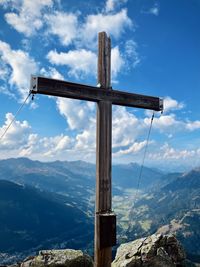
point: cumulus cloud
(165, 122)
(80, 116)
(31, 146)
(117, 62)
(86, 139)
(17, 134)
(27, 15)
(125, 127)
(170, 153)
(134, 148)
(17, 65)
(57, 145)
(172, 104)
(46, 147)
(79, 62)
(70, 30)
(21, 66)
(77, 113)
(64, 25)
(20, 141)
(169, 124)
(113, 24)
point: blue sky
(155, 51)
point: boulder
(154, 251)
(59, 258)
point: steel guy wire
(14, 118)
(143, 160)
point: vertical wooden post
(103, 256)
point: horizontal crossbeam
(46, 86)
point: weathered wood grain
(103, 256)
(65, 89)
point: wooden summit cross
(104, 96)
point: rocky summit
(154, 251)
(58, 258)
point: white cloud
(21, 65)
(63, 143)
(165, 122)
(70, 30)
(21, 25)
(86, 140)
(16, 135)
(170, 124)
(64, 25)
(117, 62)
(27, 18)
(83, 62)
(80, 116)
(30, 16)
(170, 153)
(112, 4)
(46, 147)
(113, 24)
(52, 73)
(131, 54)
(193, 125)
(20, 141)
(134, 148)
(126, 127)
(31, 146)
(77, 113)
(57, 145)
(172, 104)
(80, 62)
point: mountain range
(51, 205)
(174, 208)
(31, 219)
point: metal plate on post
(34, 84)
(107, 227)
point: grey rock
(154, 251)
(59, 258)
